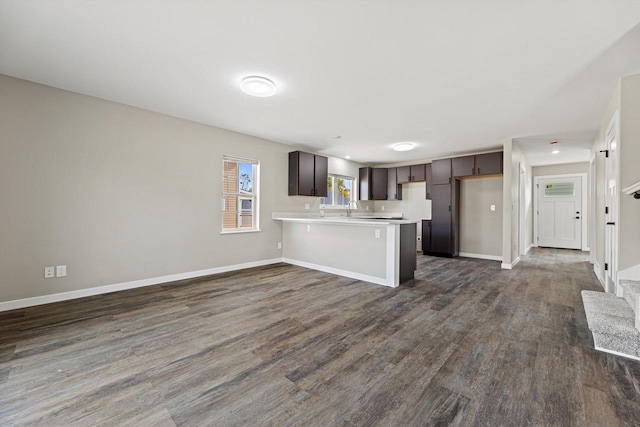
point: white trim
(598, 272)
(510, 266)
(99, 290)
(481, 256)
(339, 272)
(605, 350)
(585, 216)
(528, 249)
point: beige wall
(514, 161)
(121, 194)
(629, 230)
(562, 169)
(480, 227)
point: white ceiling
(452, 76)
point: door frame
(583, 206)
(522, 211)
(592, 208)
(613, 126)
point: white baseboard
(99, 290)
(510, 266)
(339, 272)
(481, 256)
(598, 271)
(526, 251)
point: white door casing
(611, 207)
(560, 212)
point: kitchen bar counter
(381, 251)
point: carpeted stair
(613, 320)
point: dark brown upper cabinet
(373, 184)
(489, 164)
(463, 166)
(428, 178)
(478, 165)
(394, 190)
(441, 171)
(307, 174)
(413, 173)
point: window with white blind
(239, 195)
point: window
(239, 195)
(559, 189)
(339, 192)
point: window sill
(253, 230)
(335, 207)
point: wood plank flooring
(465, 343)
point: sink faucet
(355, 203)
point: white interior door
(560, 212)
(611, 210)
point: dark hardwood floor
(465, 343)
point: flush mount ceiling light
(555, 151)
(258, 86)
(347, 157)
(404, 146)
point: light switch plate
(377, 234)
(493, 207)
(61, 271)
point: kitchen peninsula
(364, 247)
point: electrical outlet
(61, 271)
(307, 206)
(49, 272)
(382, 208)
(367, 207)
(493, 207)
(377, 233)
(279, 245)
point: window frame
(241, 195)
(333, 204)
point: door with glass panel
(560, 214)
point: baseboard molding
(510, 266)
(481, 256)
(526, 251)
(617, 353)
(99, 290)
(339, 272)
(598, 271)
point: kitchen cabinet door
(441, 171)
(394, 190)
(441, 232)
(404, 174)
(417, 173)
(364, 181)
(489, 164)
(307, 174)
(427, 173)
(320, 176)
(426, 236)
(463, 166)
(379, 187)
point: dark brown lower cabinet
(426, 237)
(408, 253)
(444, 221)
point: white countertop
(370, 219)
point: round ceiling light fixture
(347, 157)
(258, 86)
(555, 151)
(404, 146)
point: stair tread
(608, 314)
(625, 346)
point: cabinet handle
(478, 171)
(473, 171)
(449, 208)
(449, 180)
